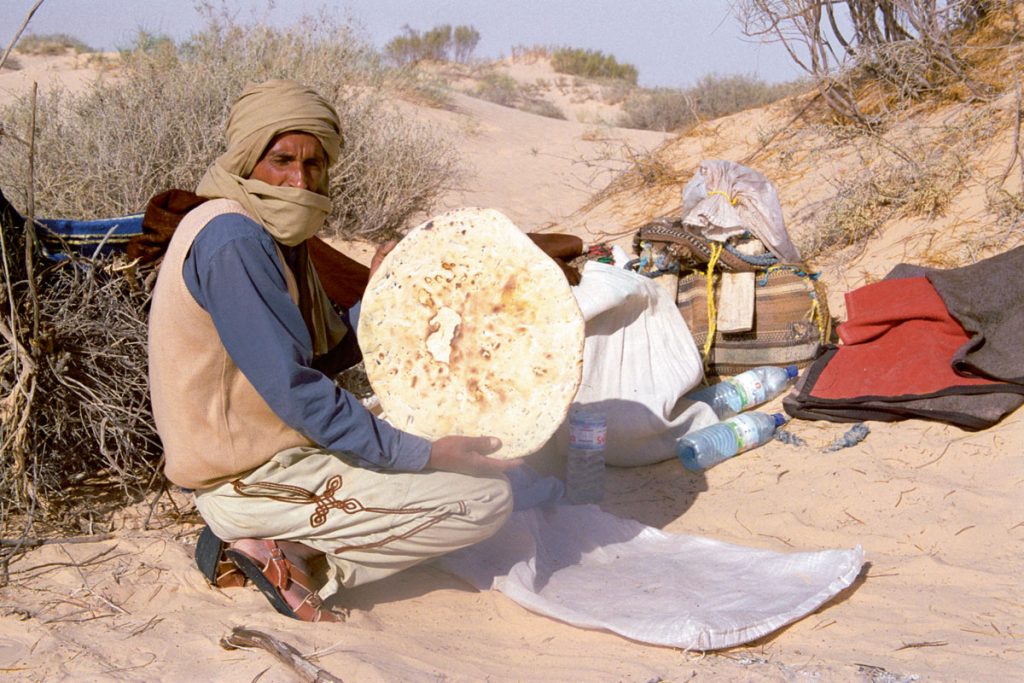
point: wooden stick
(286, 654)
(30, 231)
(21, 353)
(17, 35)
(36, 542)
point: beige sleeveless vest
(213, 424)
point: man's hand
(467, 455)
(378, 256)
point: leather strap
(668, 229)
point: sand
(937, 509)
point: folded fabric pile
(925, 343)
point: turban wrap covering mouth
(290, 214)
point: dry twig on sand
(282, 651)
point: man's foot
(214, 564)
(283, 582)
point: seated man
(285, 466)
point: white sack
(639, 359)
(589, 568)
(724, 199)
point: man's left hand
(468, 455)
(378, 256)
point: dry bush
(51, 44)
(661, 109)
(424, 88)
(907, 48)
(591, 64)
(500, 88)
(542, 107)
(159, 124)
(644, 171)
(527, 54)
(917, 177)
(615, 91)
(73, 390)
(714, 96)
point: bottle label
(745, 432)
(750, 388)
(587, 431)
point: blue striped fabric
(61, 237)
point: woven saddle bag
(790, 322)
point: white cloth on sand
(592, 569)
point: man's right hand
(468, 455)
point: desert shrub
(50, 44)
(616, 92)
(543, 108)
(11, 63)
(74, 398)
(897, 179)
(464, 42)
(150, 43)
(499, 88)
(160, 124)
(663, 109)
(717, 95)
(530, 53)
(438, 44)
(591, 64)
(671, 109)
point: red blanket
(927, 343)
(898, 341)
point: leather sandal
(214, 564)
(263, 563)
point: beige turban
(292, 215)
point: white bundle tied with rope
(725, 199)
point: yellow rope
(821, 313)
(725, 194)
(716, 250)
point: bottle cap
(779, 418)
(792, 371)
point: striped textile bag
(791, 320)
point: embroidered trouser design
(369, 524)
(326, 502)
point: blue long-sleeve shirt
(234, 274)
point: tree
(466, 39)
(436, 43)
(903, 43)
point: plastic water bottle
(711, 445)
(748, 389)
(584, 466)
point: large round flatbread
(469, 328)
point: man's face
(293, 160)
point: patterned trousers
(369, 524)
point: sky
(672, 43)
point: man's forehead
(296, 142)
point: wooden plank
(736, 303)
